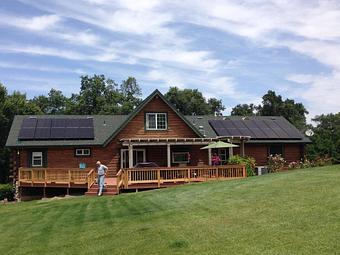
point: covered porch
(175, 152)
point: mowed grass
(294, 212)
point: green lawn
(295, 212)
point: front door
(138, 157)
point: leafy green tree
(326, 138)
(216, 106)
(54, 103)
(273, 105)
(131, 95)
(11, 105)
(99, 95)
(91, 98)
(191, 101)
(244, 110)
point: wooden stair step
(104, 193)
(106, 186)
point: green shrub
(6, 191)
(248, 161)
(275, 163)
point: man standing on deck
(101, 171)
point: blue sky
(232, 50)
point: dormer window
(156, 121)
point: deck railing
(66, 176)
(91, 178)
(159, 175)
(120, 180)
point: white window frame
(123, 159)
(37, 155)
(80, 152)
(156, 114)
(176, 153)
(222, 153)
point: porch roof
(177, 141)
(166, 141)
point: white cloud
(148, 33)
(38, 23)
(24, 66)
(321, 92)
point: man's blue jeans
(101, 182)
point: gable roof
(142, 105)
(106, 127)
(268, 129)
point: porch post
(130, 156)
(231, 152)
(209, 156)
(242, 148)
(168, 154)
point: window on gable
(37, 158)
(83, 152)
(156, 121)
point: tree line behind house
(101, 95)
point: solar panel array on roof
(56, 129)
(259, 128)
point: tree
(54, 103)
(244, 110)
(216, 106)
(91, 98)
(326, 138)
(131, 95)
(11, 105)
(273, 105)
(191, 101)
(99, 95)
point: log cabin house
(58, 152)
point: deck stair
(109, 189)
(112, 171)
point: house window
(276, 149)
(83, 152)
(180, 157)
(224, 155)
(156, 121)
(37, 158)
(138, 157)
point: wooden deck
(138, 178)
(56, 177)
(131, 178)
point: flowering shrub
(294, 164)
(275, 163)
(248, 161)
(305, 163)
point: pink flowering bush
(275, 163)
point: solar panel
(58, 123)
(46, 123)
(26, 134)
(86, 122)
(29, 123)
(57, 132)
(72, 122)
(42, 133)
(71, 133)
(85, 133)
(56, 128)
(257, 128)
